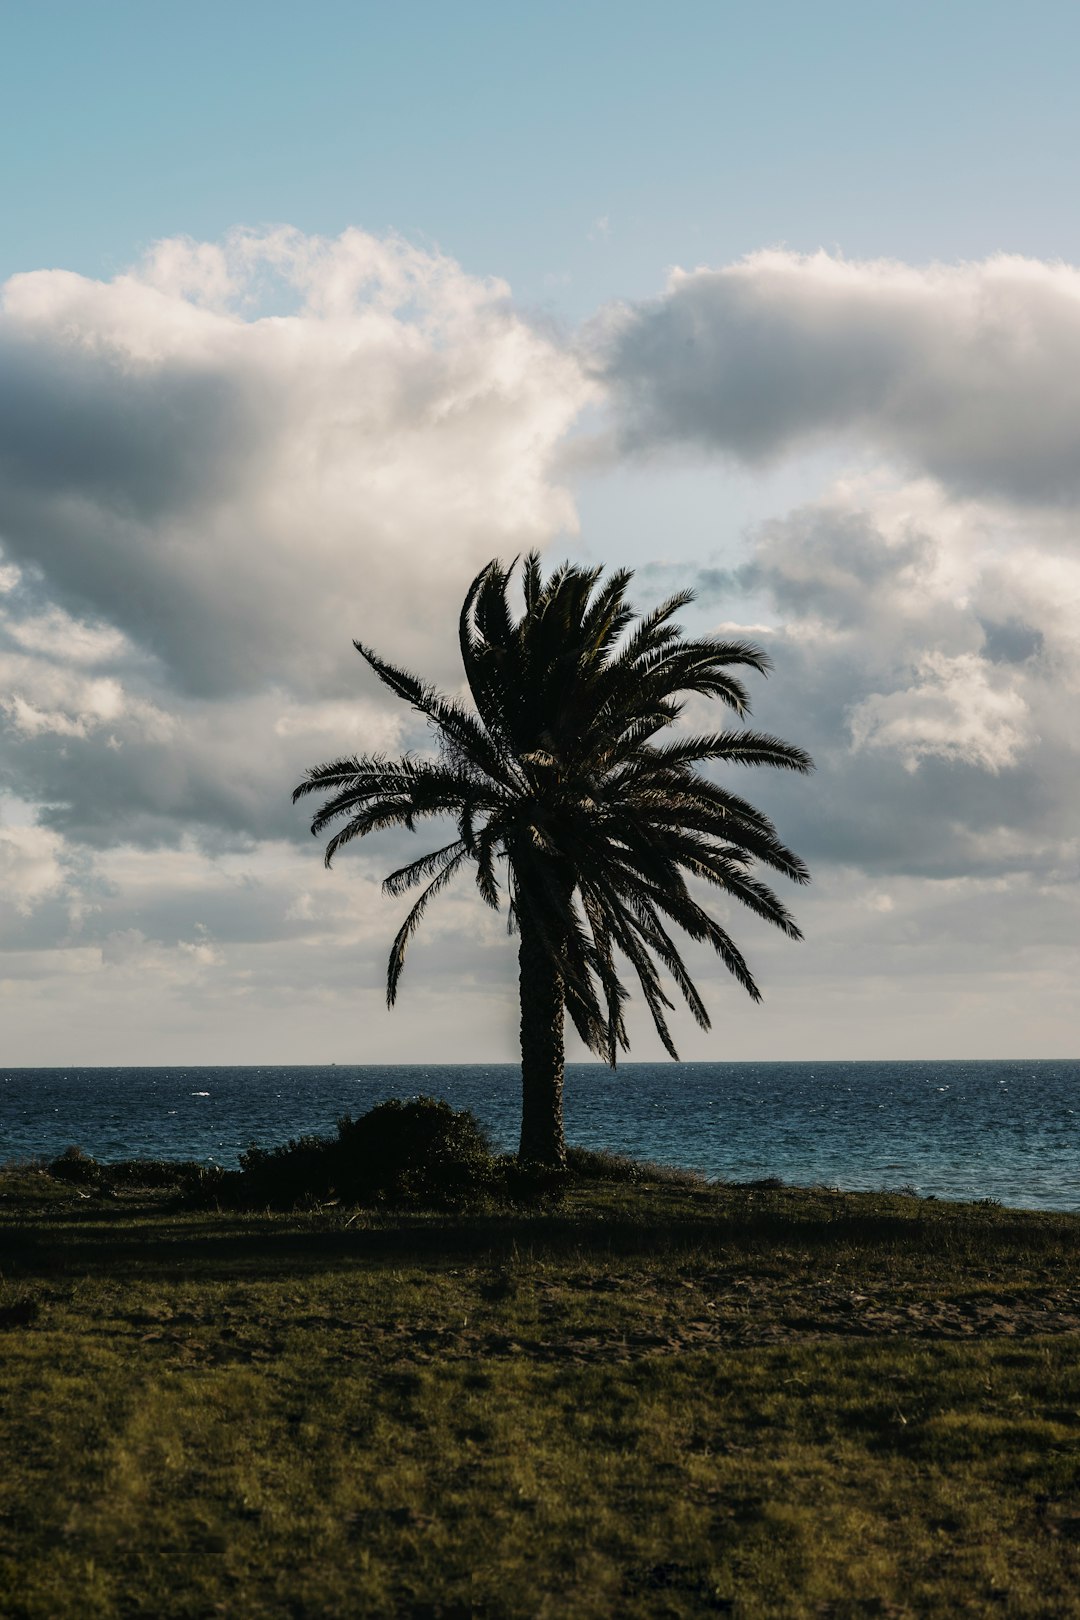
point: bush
(300, 1171)
(75, 1166)
(416, 1153)
(184, 1173)
(81, 1170)
(420, 1153)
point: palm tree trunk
(542, 1010)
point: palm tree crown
(560, 788)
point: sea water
(1004, 1130)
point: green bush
(75, 1166)
(185, 1173)
(299, 1171)
(420, 1152)
(81, 1170)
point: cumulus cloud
(31, 866)
(215, 471)
(830, 561)
(924, 615)
(968, 372)
(954, 710)
(240, 493)
(219, 468)
(928, 654)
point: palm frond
(453, 720)
(484, 855)
(407, 877)
(410, 925)
(733, 747)
(609, 832)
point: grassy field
(648, 1400)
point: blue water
(1008, 1130)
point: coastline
(965, 1131)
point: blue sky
(506, 132)
(302, 306)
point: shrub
(416, 1150)
(82, 1170)
(185, 1173)
(300, 1171)
(75, 1166)
(420, 1152)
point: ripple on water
(963, 1130)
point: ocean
(1003, 1130)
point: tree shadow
(164, 1238)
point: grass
(651, 1398)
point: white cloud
(968, 372)
(31, 866)
(955, 711)
(927, 652)
(219, 468)
(202, 503)
(926, 612)
(57, 634)
(242, 494)
(359, 724)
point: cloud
(241, 493)
(215, 471)
(828, 562)
(927, 652)
(922, 612)
(31, 866)
(954, 711)
(219, 468)
(969, 372)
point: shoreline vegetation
(631, 1393)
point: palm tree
(559, 787)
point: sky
(307, 312)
